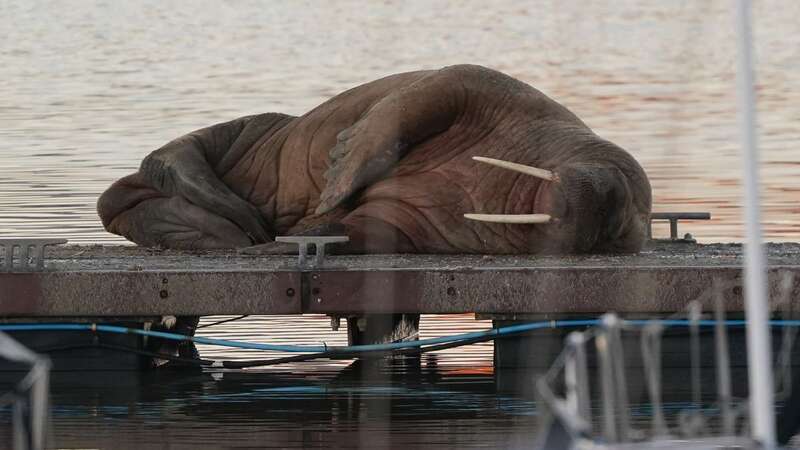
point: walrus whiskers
(514, 218)
(510, 218)
(528, 170)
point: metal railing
(609, 423)
(29, 399)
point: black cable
(193, 361)
(334, 354)
(222, 321)
(122, 348)
(330, 354)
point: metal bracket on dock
(22, 261)
(319, 243)
(673, 223)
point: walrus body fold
(390, 163)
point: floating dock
(127, 281)
(131, 285)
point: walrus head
(579, 208)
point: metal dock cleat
(673, 219)
(24, 255)
(319, 243)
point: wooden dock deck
(124, 281)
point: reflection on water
(408, 404)
(88, 89)
(363, 405)
(444, 399)
(315, 329)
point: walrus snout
(597, 208)
(578, 206)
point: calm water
(87, 89)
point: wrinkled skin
(389, 163)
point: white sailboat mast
(759, 348)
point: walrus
(464, 159)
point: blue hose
(513, 329)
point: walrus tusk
(528, 170)
(510, 218)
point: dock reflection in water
(450, 399)
(440, 400)
(358, 407)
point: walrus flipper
(367, 150)
(183, 168)
(173, 222)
